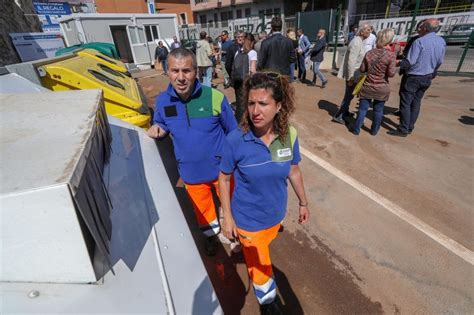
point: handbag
(361, 81)
(359, 85)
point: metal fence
(422, 11)
(459, 60)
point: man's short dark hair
(225, 32)
(301, 30)
(276, 24)
(183, 53)
(237, 33)
(202, 35)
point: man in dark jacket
(161, 55)
(317, 56)
(276, 52)
(229, 62)
(232, 50)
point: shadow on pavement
(467, 120)
(387, 123)
(290, 302)
(331, 108)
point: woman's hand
(229, 228)
(303, 214)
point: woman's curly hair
(282, 92)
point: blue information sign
(49, 14)
(52, 8)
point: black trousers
(412, 89)
(239, 107)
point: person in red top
(379, 65)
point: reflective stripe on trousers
(255, 246)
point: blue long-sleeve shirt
(304, 44)
(198, 127)
(425, 56)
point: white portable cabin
(134, 35)
(88, 218)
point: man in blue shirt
(421, 65)
(303, 51)
(198, 118)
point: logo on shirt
(284, 152)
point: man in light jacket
(349, 71)
(304, 46)
(203, 56)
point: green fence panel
(312, 21)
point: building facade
(222, 12)
(121, 6)
(182, 8)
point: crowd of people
(369, 63)
(249, 153)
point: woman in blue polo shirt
(262, 155)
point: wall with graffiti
(402, 25)
(254, 24)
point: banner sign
(49, 14)
(151, 6)
(402, 25)
(34, 46)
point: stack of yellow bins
(88, 69)
(113, 64)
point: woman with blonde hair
(262, 155)
(379, 65)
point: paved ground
(356, 255)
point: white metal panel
(168, 276)
(128, 292)
(41, 238)
(14, 83)
(26, 120)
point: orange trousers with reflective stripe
(203, 202)
(256, 249)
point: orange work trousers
(204, 207)
(256, 249)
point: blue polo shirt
(260, 195)
(198, 127)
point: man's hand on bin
(156, 132)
